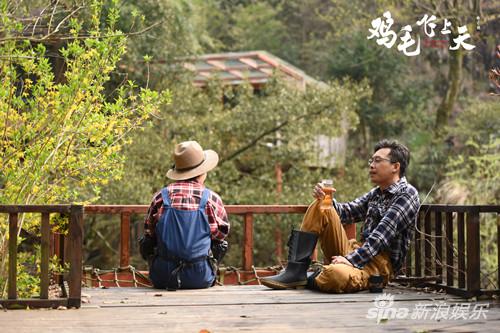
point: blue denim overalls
(183, 238)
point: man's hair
(399, 153)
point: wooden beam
(350, 230)
(266, 209)
(75, 236)
(250, 62)
(12, 292)
(473, 252)
(449, 250)
(428, 245)
(460, 208)
(248, 242)
(418, 244)
(230, 209)
(241, 209)
(449, 290)
(44, 264)
(461, 250)
(116, 209)
(22, 303)
(438, 232)
(498, 247)
(124, 239)
(34, 208)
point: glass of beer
(327, 186)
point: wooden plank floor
(240, 309)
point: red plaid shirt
(186, 195)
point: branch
(263, 134)
(67, 37)
(60, 23)
(38, 19)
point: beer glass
(327, 186)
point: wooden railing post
(449, 249)
(438, 232)
(418, 244)
(125, 239)
(350, 230)
(44, 264)
(248, 242)
(75, 236)
(427, 245)
(12, 293)
(498, 248)
(461, 250)
(473, 252)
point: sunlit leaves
(59, 138)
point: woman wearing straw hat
(186, 224)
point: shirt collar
(187, 181)
(395, 187)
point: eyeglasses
(377, 160)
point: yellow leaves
(60, 138)
(35, 189)
(108, 69)
(92, 53)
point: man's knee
(340, 278)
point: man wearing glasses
(388, 213)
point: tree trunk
(454, 79)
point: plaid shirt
(389, 218)
(186, 195)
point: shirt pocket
(375, 212)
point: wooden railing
(49, 243)
(446, 245)
(450, 228)
(247, 211)
(447, 248)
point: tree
(244, 133)
(473, 172)
(61, 139)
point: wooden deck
(244, 309)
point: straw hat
(191, 161)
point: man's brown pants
(341, 278)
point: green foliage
(473, 174)
(243, 131)
(166, 30)
(257, 27)
(61, 135)
(252, 131)
(475, 163)
(28, 273)
(27, 280)
(72, 160)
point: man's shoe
(301, 245)
(294, 276)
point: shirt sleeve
(217, 218)
(354, 211)
(398, 217)
(154, 212)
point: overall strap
(165, 197)
(204, 199)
